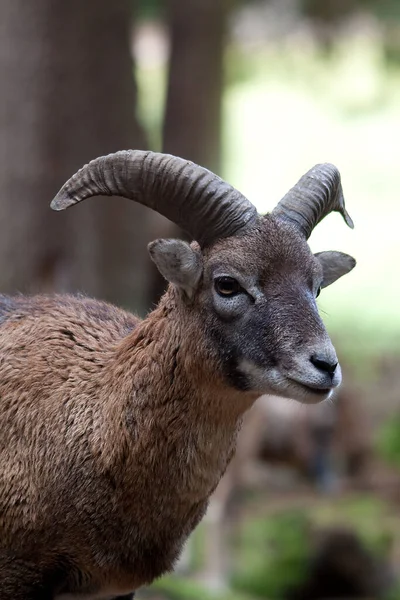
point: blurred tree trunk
(192, 120)
(192, 124)
(329, 11)
(67, 96)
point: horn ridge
(314, 196)
(193, 197)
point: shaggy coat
(73, 470)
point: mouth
(311, 392)
(312, 388)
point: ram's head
(250, 281)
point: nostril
(323, 363)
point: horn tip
(348, 220)
(61, 201)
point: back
(47, 340)
(53, 352)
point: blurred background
(257, 91)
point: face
(258, 295)
(255, 297)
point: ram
(115, 431)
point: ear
(334, 265)
(178, 263)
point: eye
(318, 292)
(227, 286)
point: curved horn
(314, 196)
(190, 196)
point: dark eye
(318, 292)
(227, 286)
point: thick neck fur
(178, 413)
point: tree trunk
(192, 125)
(67, 96)
(192, 120)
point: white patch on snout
(289, 384)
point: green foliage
(383, 9)
(394, 594)
(388, 443)
(367, 515)
(273, 555)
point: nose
(324, 363)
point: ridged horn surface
(314, 196)
(194, 198)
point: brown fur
(100, 486)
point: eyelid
(219, 274)
(218, 281)
(244, 284)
